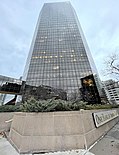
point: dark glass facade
(59, 56)
(89, 91)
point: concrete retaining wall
(53, 131)
(5, 117)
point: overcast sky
(99, 21)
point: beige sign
(103, 117)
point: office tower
(59, 56)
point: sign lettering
(103, 117)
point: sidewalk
(6, 148)
(109, 144)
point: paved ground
(6, 148)
(108, 145)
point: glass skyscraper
(59, 56)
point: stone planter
(5, 124)
(55, 131)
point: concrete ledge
(56, 131)
(5, 126)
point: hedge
(50, 105)
(10, 108)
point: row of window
(73, 61)
(66, 83)
(69, 89)
(57, 47)
(62, 48)
(64, 36)
(62, 52)
(57, 19)
(50, 55)
(63, 29)
(60, 62)
(57, 41)
(50, 68)
(68, 24)
(57, 37)
(54, 75)
(53, 56)
(49, 33)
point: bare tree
(112, 65)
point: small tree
(112, 65)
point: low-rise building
(112, 91)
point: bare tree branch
(112, 65)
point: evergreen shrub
(10, 108)
(49, 105)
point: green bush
(9, 108)
(99, 106)
(51, 105)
